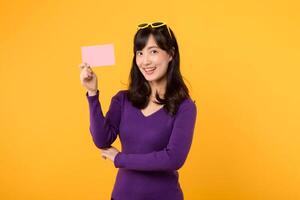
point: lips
(149, 70)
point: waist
(145, 183)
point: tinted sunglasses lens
(157, 24)
(143, 25)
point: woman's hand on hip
(109, 153)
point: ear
(172, 54)
(170, 58)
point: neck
(159, 86)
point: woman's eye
(139, 53)
(154, 51)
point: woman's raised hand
(88, 78)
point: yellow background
(240, 60)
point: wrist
(92, 92)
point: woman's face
(153, 61)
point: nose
(146, 61)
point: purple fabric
(154, 147)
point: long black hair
(139, 90)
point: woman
(154, 118)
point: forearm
(103, 133)
(164, 160)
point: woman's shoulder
(188, 104)
(121, 95)
(187, 110)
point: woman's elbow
(176, 163)
(101, 145)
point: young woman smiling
(154, 118)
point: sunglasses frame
(146, 25)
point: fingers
(104, 153)
(86, 71)
(81, 66)
(84, 65)
(86, 75)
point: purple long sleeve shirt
(154, 147)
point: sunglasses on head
(154, 25)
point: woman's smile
(149, 70)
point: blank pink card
(98, 55)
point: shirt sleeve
(104, 129)
(173, 156)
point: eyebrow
(152, 47)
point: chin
(150, 79)
(153, 79)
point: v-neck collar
(155, 112)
